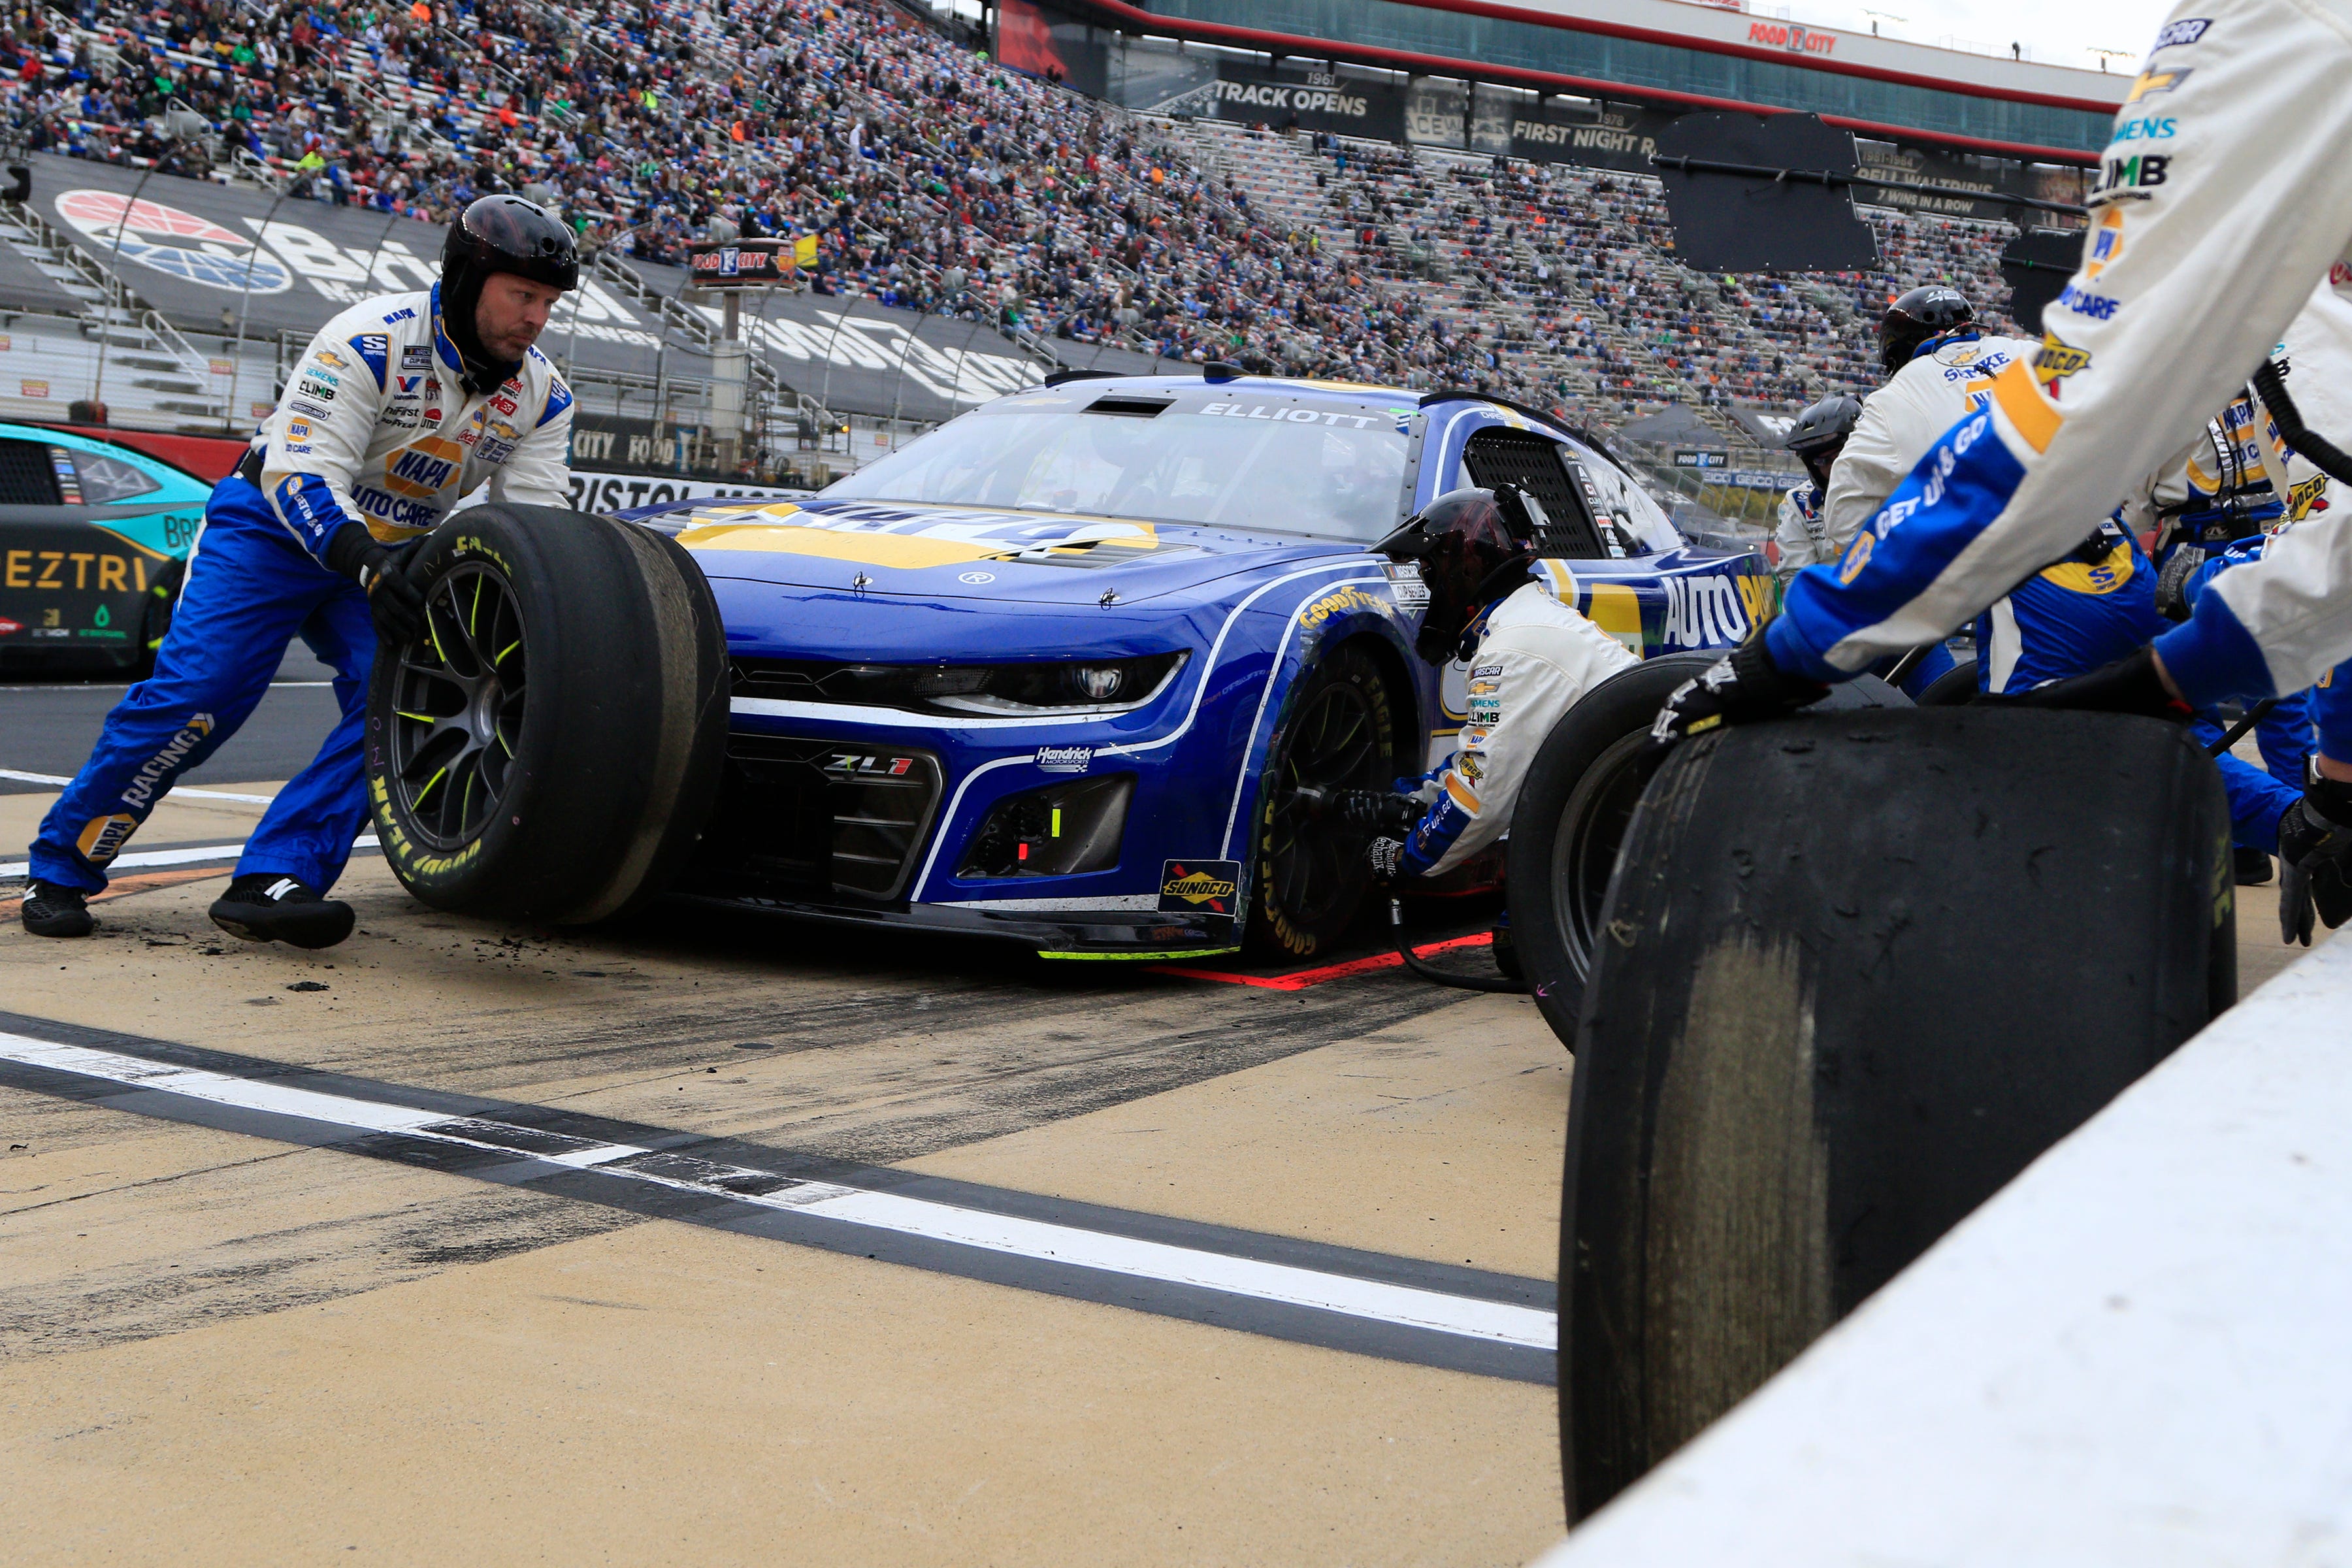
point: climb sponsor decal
(1199, 887)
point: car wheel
(1572, 812)
(550, 748)
(1338, 732)
(1860, 971)
(155, 619)
(1952, 689)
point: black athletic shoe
(266, 908)
(56, 911)
(2252, 866)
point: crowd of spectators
(913, 169)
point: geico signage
(1796, 40)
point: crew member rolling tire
(1583, 785)
(1809, 1048)
(550, 747)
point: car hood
(962, 553)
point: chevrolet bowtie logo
(2154, 82)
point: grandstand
(932, 179)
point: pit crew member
(1819, 434)
(402, 405)
(2197, 258)
(1531, 656)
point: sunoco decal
(1199, 887)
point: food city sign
(1795, 39)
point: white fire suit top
(376, 427)
(1901, 420)
(1801, 533)
(2221, 206)
(1537, 656)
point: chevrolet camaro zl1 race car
(93, 536)
(1078, 670)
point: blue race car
(1080, 668)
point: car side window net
(27, 476)
(1506, 457)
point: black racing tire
(162, 603)
(551, 748)
(1571, 813)
(1308, 875)
(1863, 968)
(1953, 689)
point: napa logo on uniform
(104, 837)
(1199, 887)
(298, 429)
(2106, 243)
(421, 471)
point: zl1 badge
(1199, 887)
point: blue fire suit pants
(250, 589)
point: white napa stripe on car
(1042, 1240)
(901, 717)
(1026, 906)
(195, 854)
(1133, 748)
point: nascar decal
(871, 535)
(1199, 887)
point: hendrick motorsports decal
(1199, 887)
(878, 535)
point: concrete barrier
(2138, 1352)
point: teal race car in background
(94, 535)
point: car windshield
(1292, 465)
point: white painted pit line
(190, 855)
(1370, 1302)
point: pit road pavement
(217, 1345)
(221, 1342)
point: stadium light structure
(1747, 193)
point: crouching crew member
(402, 405)
(1819, 434)
(1532, 655)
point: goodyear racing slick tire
(1339, 732)
(1954, 688)
(1582, 787)
(551, 749)
(1862, 970)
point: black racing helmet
(1820, 431)
(499, 234)
(1923, 313)
(1471, 545)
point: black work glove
(2130, 685)
(2172, 582)
(394, 603)
(1393, 815)
(1383, 855)
(2314, 848)
(1741, 688)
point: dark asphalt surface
(48, 727)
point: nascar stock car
(94, 534)
(1079, 668)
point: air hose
(1437, 976)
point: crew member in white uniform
(1535, 655)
